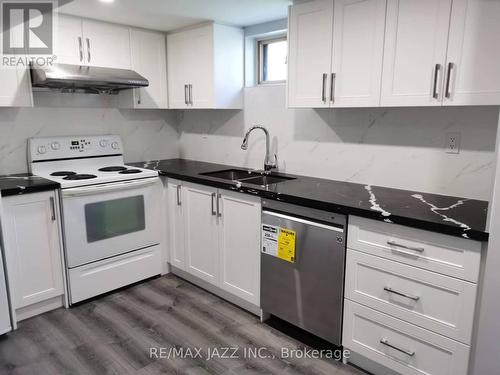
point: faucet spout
(269, 163)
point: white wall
(147, 134)
(487, 348)
(401, 148)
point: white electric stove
(111, 213)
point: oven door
(105, 220)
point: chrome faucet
(268, 162)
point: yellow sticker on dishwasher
(286, 245)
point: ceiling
(167, 15)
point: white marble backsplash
(394, 147)
(147, 134)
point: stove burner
(130, 171)
(113, 169)
(62, 174)
(79, 177)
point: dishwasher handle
(302, 221)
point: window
(272, 60)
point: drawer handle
(394, 243)
(390, 290)
(387, 343)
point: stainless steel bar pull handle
(387, 343)
(186, 94)
(333, 80)
(390, 290)
(191, 94)
(435, 93)
(219, 213)
(447, 93)
(53, 208)
(139, 98)
(80, 45)
(414, 248)
(214, 212)
(323, 88)
(88, 50)
(179, 202)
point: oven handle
(117, 186)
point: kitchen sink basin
(266, 180)
(248, 177)
(231, 174)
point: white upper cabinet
(310, 53)
(324, 69)
(415, 52)
(366, 53)
(107, 45)
(92, 43)
(69, 47)
(149, 59)
(205, 67)
(357, 72)
(474, 54)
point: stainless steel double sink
(248, 177)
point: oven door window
(114, 218)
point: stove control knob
(42, 149)
(103, 143)
(55, 146)
(115, 145)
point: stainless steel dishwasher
(302, 267)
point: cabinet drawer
(436, 252)
(442, 304)
(400, 346)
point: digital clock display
(75, 143)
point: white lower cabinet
(30, 226)
(175, 216)
(410, 298)
(400, 346)
(439, 303)
(239, 236)
(201, 232)
(215, 237)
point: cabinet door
(178, 57)
(32, 248)
(200, 218)
(415, 52)
(240, 245)
(358, 71)
(474, 53)
(107, 45)
(176, 224)
(69, 41)
(201, 67)
(310, 53)
(149, 59)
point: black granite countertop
(24, 183)
(438, 213)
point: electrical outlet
(452, 143)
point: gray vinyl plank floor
(179, 322)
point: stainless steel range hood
(88, 79)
